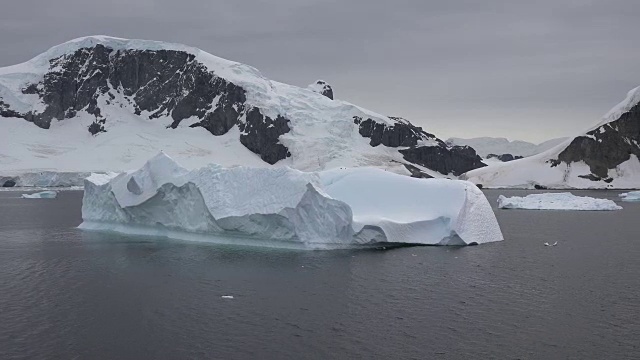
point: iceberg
(326, 209)
(556, 201)
(630, 196)
(41, 195)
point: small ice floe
(554, 244)
(630, 196)
(556, 201)
(41, 195)
(227, 296)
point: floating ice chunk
(41, 195)
(227, 296)
(556, 201)
(630, 196)
(335, 208)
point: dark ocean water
(69, 294)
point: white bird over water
(554, 244)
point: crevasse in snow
(334, 208)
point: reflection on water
(65, 293)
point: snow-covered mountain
(499, 146)
(605, 156)
(107, 104)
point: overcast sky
(528, 70)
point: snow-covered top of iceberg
(394, 202)
(134, 188)
(340, 207)
(556, 201)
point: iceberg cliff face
(335, 208)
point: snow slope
(556, 201)
(316, 131)
(334, 208)
(493, 145)
(605, 156)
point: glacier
(342, 207)
(556, 201)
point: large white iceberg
(556, 201)
(630, 196)
(334, 208)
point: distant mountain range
(498, 146)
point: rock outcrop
(603, 157)
(504, 157)
(321, 87)
(422, 148)
(607, 146)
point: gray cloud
(519, 69)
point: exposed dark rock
(323, 88)
(261, 134)
(590, 177)
(402, 133)
(417, 173)
(607, 146)
(554, 162)
(455, 160)
(540, 187)
(479, 186)
(6, 112)
(9, 183)
(97, 127)
(504, 157)
(158, 82)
